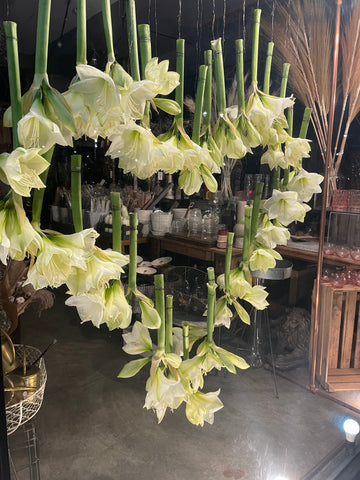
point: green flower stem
(145, 57)
(268, 62)
(239, 48)
(14, 77)
(169, 324)
(211, 275)
(76, 192)
(38, 197)
(116, 221)
(199, 104)
(42, 37)
(255, 211)
(219, 75)
(247, 228)
(133, 255)
(208, 90)
(132, 39)
(255, 46)
(305, 123)
(185, 329)
(179, 91)
(211, 311)
(81, 32)
(284, 79)
(276, 179)
(106, 14)
(290, 120)
(229, 247)
(160, 308)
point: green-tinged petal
(133, 367)
(164, 81)
(208, 178)
(138, 340)
(239, 362)
(169, 106)
(149, 316)
(172, 359)
(305, 184)
(243, 314)
(261, 260)
(201, 407)
(223, 314)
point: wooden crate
(338, 352)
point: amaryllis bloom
(277, 105)
(191, 370)
(21, 169)
(223, 314)
(257, 297)
(167, 157)
(133, 145)
(90, 306)
(117, 313)
(35, 130)
(163, 393)
(295, 150)
(274, 158)
(305, 184)
(249, 134)
(217, 357)
(138, 340)
(284, 206)
(200, 407)
(272, 234)
(18, 238)
(262, 259)
(228, 139)
(164, 82)
(134, 99)
(86, 121)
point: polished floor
(93, 426)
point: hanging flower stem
(145, 57)
(211, 275)
(239, 48)
(160, 308)
(42, 37)
(284, 81)
(185, 329)
(268, 63)
(179, 92)
(169, 324)
(14, 77)
(81, 32)
(255, 46)
(133, 255)
(255, 211)
(116, 221)
(38, 196)
(208, 91)
(132, 39)
(106, 14)
(199, 104)
(211, 311)
(229, 247)
(76, 192)
(247, 228)
(219, 76)
(305, 123)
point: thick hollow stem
(305, 123)
(14, 77)
(247, 228)
(106, 14)
(38, 196)
(132, 39)
(284, 79)
(255, 211)
(211, 274)
(219, 76)
(160, 308)
(179, 91)
(42, 37)
(116, 221)
(133, 254)
(199, 104)
(185, 329)
(208, 90)
(169, 324)
(211, 311)
(255, 46)
(145, 57)
(76, 192)
(268, 63)
(276, 179)
(229, 247)
(239, 48)
(81, 32)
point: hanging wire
(224, 21)
(156, 26)
(197, 40)
(7, 10)
(244, 22)
(213, 19)
(149, 12)
(179, 19)
(272, 19)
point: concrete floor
(93, 426)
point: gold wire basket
(21, 412)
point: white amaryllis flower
(277, 105)
(228, 139)
(305, 184)
(35, 130)
(262, 259)
(284, 206)
(295, 150)
(117, 312)
(223, 314)
(86, 121)
(274, 158)
(90, 306)
(163, 393)
(57, 258)
(200, 407)
(134, 99)
(272, 234)
(138, 340)
(21, 169)
(133, 145)
(164, 82)
(191, 370)
(18, 238)
(101, 267)
(249, 134)
(167, 157)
